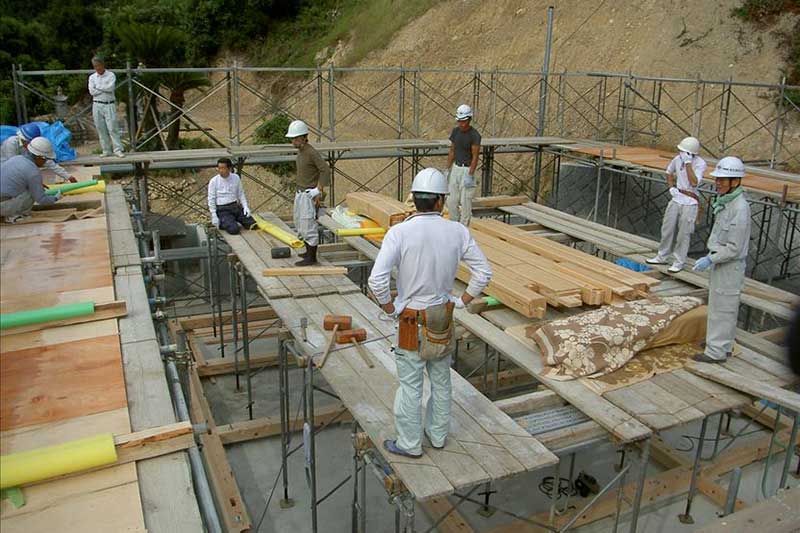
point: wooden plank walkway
(484, 444)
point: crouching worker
(21, 181)
(426, 250)
(226, 200)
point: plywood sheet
(60, 381)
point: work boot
(310, 258)
(703, 358)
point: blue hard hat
(28, 132)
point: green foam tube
(70, 186)
(491, 301)
(45, 314)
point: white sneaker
(674, 269)
(105, 155)
(119, 154)
(655, 261)
(16, 219)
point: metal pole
(545, 74)
(686, 517)
(401, 106)
(245, 337)
(210, 262)
(22, 99)
(362, 486)
(233, 281)
(493, 101)
(789, 451)
(331, 105)
(620, 497)
(597, 189)
(16, 94)
(637, 499)
(311, 451)
(236, 101)
(319, 104)
(554, 492)
(416, 102)
(283, 376)
(131, 107)
(229, 95)
(218, 299)
(733, 490)
(778, 124)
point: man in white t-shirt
(226, 200)
(679, 218)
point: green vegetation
(764, 13)
(273, 131)
(324, 23)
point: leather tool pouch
(436, 337)
(408, 331)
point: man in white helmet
(462, 160)
(679, 218)
(17, 144)
(426, 250)
(727, 259)
(313, 175)
(102, 87)
(21, 181)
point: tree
(178, 84)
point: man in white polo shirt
(679, 218)
(226, 200)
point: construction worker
(16, 144)
(679, 218)
(727, 258)
(313, 175)
(227, 201)
(426, 250)
(21, 181)
(102, 85)
(462, 160)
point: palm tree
(154, 46)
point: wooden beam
(305, 271)
(530, 402)
(224, 365)
(154, 442)
(270, 426)
(746, 384)
(776, 335)
(453, 523)
(206, 320)
(102, 311)
(226, 492)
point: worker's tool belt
(428, 332)
(104, 102)
(690, 194)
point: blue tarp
(56, 133)
(632, 265)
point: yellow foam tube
(359, 232)
(24, 468)
(100, 187)
(278, 233)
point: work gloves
(702, 264)
(457, 301)
(246, 211)
(58, 195)
(215, 221)
(686, 157)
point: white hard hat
(430, 180)
(296, 129)
(689, 144)
(463, 112)
(729, 167)
(41, 146)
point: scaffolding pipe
(205, 499)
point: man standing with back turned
(681, 214)
(426, 250)
(465, 146)
(313, 174)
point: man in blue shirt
(21, 181)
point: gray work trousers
(724, 291)
(18, 205)
(676, 232)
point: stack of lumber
(532, 271)
(384, 210)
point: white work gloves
(702, 264)
(313, 192)
(58, 195)
(686, 157)
(215, 221)
(459, 303)
(673, 191)
(469, 180)
(246, 211)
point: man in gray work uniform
(21, 181)
(465, 146)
